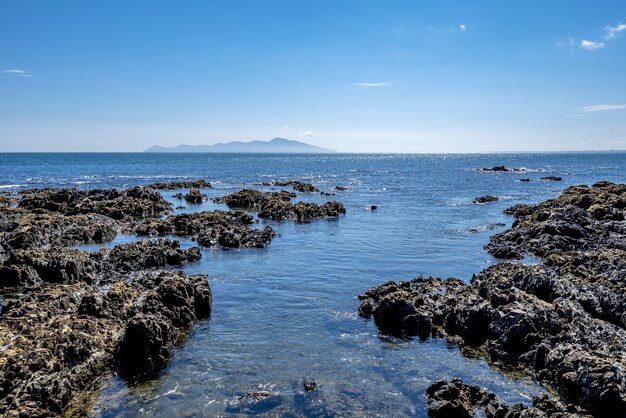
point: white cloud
(18, 73)
(309, 133)
(613, 31)
(591, 45)
(378, 84)
(602, 108)
(462, 27)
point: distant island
(276, 145)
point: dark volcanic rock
(551, 178)
(214, 228)
(340, 188)
(564, 319)
(485, 199)
(133, 203)
(57, 339)
(524, 180)
(278, 206)
(32, 230)
(581, 219)
(147, 254)
(298, 186)
(194, 196)
(496, 168)
(457, 399)
(173, 185)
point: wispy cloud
(18, 73)
(462, 27)
(591, 45)
(372, 85)
(602, 108)
(613, 31)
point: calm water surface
(288, 312)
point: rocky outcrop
(496, 168)
(133, 203)
(278, 206)
(551, 178)
(6, 201)
(173, 185)
(57, 339)
(21, 230)
(456, 399)
(298, 186)
(230, 229)
(485, 199)
(562, 320)
(582, 218)
(66, 266)
(194, 196)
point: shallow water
(288, 312)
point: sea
(288, 313)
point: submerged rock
(551, 178)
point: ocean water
(289, 312)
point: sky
(354, 76)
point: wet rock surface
(457, 399)
(230, 229)
(133, 203)
(195, 196)
(278, 205)
(57, 339)
(562, 320)
(298, 186)
(485, 199)
(173, 185)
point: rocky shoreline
(69, 317)
(562, 320)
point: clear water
(288, 312)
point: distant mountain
(276, 145)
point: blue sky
(362, 76)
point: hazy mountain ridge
(276, 145)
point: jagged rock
(33, 266)
(194, 196)
(485, 199)
(551, 178)
(133, 203)
(32, 230)
(581, 219)
(496, 168)
(298, 186)
(212, 228)
(57, 339)
(173, 185)
(457, 399)
(340, 188)
(278, 206)
(563, 319)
